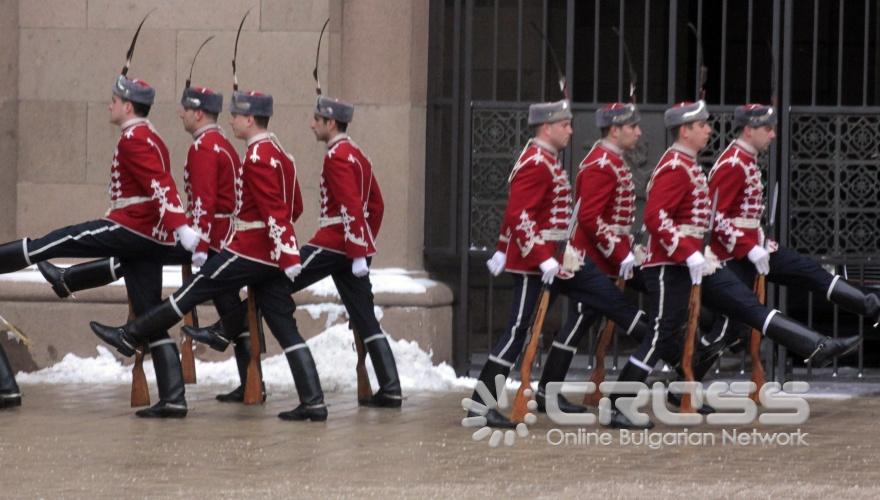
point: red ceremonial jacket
(351, 202)
(605, 188)
(269, 203)
(210, 177)
(143, 197)
(737, 180)
(538, 209)
(678, 208)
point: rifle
(140, 392)
(191, 319)
(690, 338)
(520, 402)
(761, 292)
(253, 389)
(598, 376)
(365, 391)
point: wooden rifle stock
(690, 338)
(187, 358)
(253, 389)
(598, 376)
(140, 392)
(755, 341)
(365, 391)
(520, 402)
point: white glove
(496, 263)
(359, 267)
(199, 259)
(293, 271)
(188, 238)
(626, 266)
(549, 269)
(696, 262)
(760, 258)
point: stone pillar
(382, 69)
(9, 112)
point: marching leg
(66, 281)
(308, 386)
(13, 256)
(169, 380)
(389, 394)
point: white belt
(222, 216)
(619, 229)
(329, 221)
(691, 230)
(244, 225)
(126, 202)
(554, 234)
(745, 223)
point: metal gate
(487, 62)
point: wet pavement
(78, 441)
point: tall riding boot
(138, 331)
(10, 395)
(494, 418)
(66, 281)
(12, 256)
(389, 394)
(308, 387)
(855, 300)
(808, 344)
(555, 368)
(218, 335)
(242, 349)
(629, 373)
(169, 380)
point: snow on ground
(333, 350)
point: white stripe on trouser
(767, 321)
(560, 345)
(295, 347)
(374, 337)
(635, 322)
(224, 266)
(519, 315)
(161, 342)
(185, 291)
(831, 287)
(641, 365)
(577, 324)
(27, 258)
(658, 318)
(723, 330)
(311, 257)
(69, 237)
(496, 359)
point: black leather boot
(10, 395)
(242, 348)
(857, 301)
(555, 368)
(308, 386)
(66, 281)
(494, 418)
(12, 256)
(810, 345)
(213, 336)
(138, 331)
(389, 393)
(169, 380)
(629, 373)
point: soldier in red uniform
(351, 215)
(212, 179)
(741, 245)
(537, 216)
(262, 253)
(676, 216)
(143, 226)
